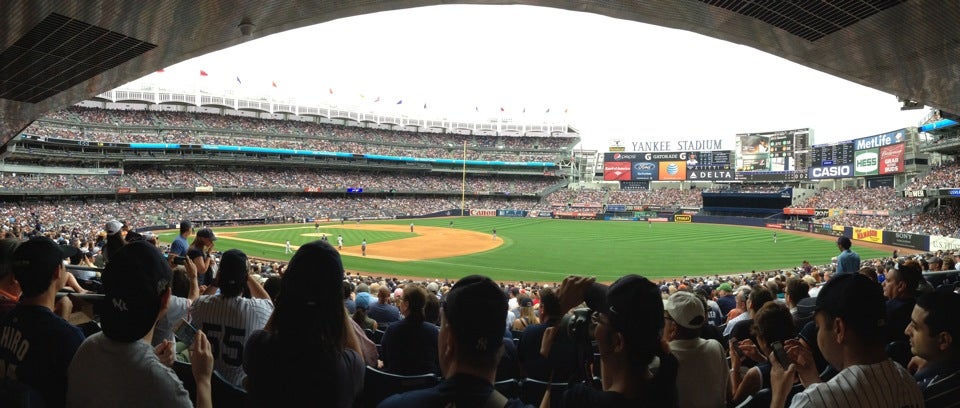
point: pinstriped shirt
(880, 385)
(228, 322)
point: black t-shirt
(580, 395)
(465, 391)
(203, 277)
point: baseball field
(541, 250)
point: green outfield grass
(547, 250)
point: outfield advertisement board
(868, 234)
(668, 166)
(906, 240)
(483, 212)
(511, 213)
(682, 218)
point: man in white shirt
(850, 317)
(702, 379)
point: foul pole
(463, 181)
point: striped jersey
(227, 323)
(880, 385)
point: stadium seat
(762, 398)
(510, 387)
(377, 336)
(185, 373)
(378, 385)
(224, 393)
(747, 403)
(369, 333)
(532, 390)
(899, 351)
(15, 394)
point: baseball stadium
(219, 217)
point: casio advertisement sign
(842, 171)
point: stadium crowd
(120, 126)
(171, 177)
(880, 198)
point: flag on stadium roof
(476, 108)
(501, 109)
(524, 110)
(274, 83)
(377, 100)
(331, 91)
(238, 81)
(203, 73)
(548, 110)
(424, 106)
(400, 102)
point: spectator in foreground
(470, 343)
(772, 323)
(309, 341)
(629, 317)
(850, 316)
(117, 366)
(36, 345)
(9, 287)
(409, 347)
(848, 261)
(900, 289)
(702, 373)
(232, 316)
(382, 311)
(934, 334)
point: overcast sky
(616, 79)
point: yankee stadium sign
(677, 145)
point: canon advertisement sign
(827, 172)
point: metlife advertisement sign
(866, 162)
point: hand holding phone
(781, 354)
(185, 332)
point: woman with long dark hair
(307, 354)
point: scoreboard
(718, 160)
(832, 155)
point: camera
(576, 326)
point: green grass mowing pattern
(547, 250)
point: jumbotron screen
(669, 166)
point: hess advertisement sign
(866, 162)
